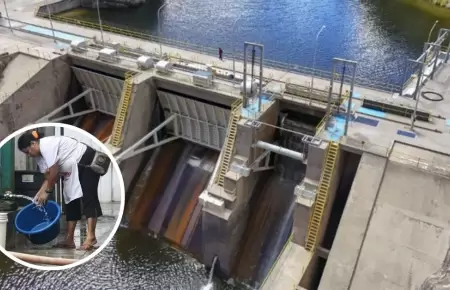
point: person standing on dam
(220, 54)
(76, 163)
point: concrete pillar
(137, 124)
(225, 210)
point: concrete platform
(15, 76)
(105, 224)
(378, 139)
(289, 268)
(401, 241)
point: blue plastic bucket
(31, 222)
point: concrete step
(219, 192)
(307, 189)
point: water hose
(42, 259)
(426, 97)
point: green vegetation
(437, 8)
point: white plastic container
(3, 228)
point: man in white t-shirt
(68, 158)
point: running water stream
(41, 208)
(210, 285)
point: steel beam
(51, 117)
(264, 156)
(133, 149)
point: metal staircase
(235, 116)
(122, 110)
(321, 196)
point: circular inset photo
(62, 196)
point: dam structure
(289, 180)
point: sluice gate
(165, 199)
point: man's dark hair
(25, 140)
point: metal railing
(326, 75)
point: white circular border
(122, 197)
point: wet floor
(105, 225)
(131, 261)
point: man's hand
(41, 197)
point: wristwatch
(49, 191)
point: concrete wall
(5, 58)
(59, 7)
(137, 125)
(344, 253)
(111, 3)
(302, 214)
(316, 155)
(221, 238)
(247, 135)
(335, 180)
(43, 93)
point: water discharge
(165, 199)
(210, 284)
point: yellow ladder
(122, 110)
(321, 196)
(235, 116)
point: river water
(380, 34)
(131, 261)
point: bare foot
(66, 244)
(88, 244)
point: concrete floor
(105, 225)
(378, 139)
(395, 228)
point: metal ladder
(235, 116)
(321, 197)
(122, 110)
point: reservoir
(371, 32)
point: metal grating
(198, 122)
(105, 90)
